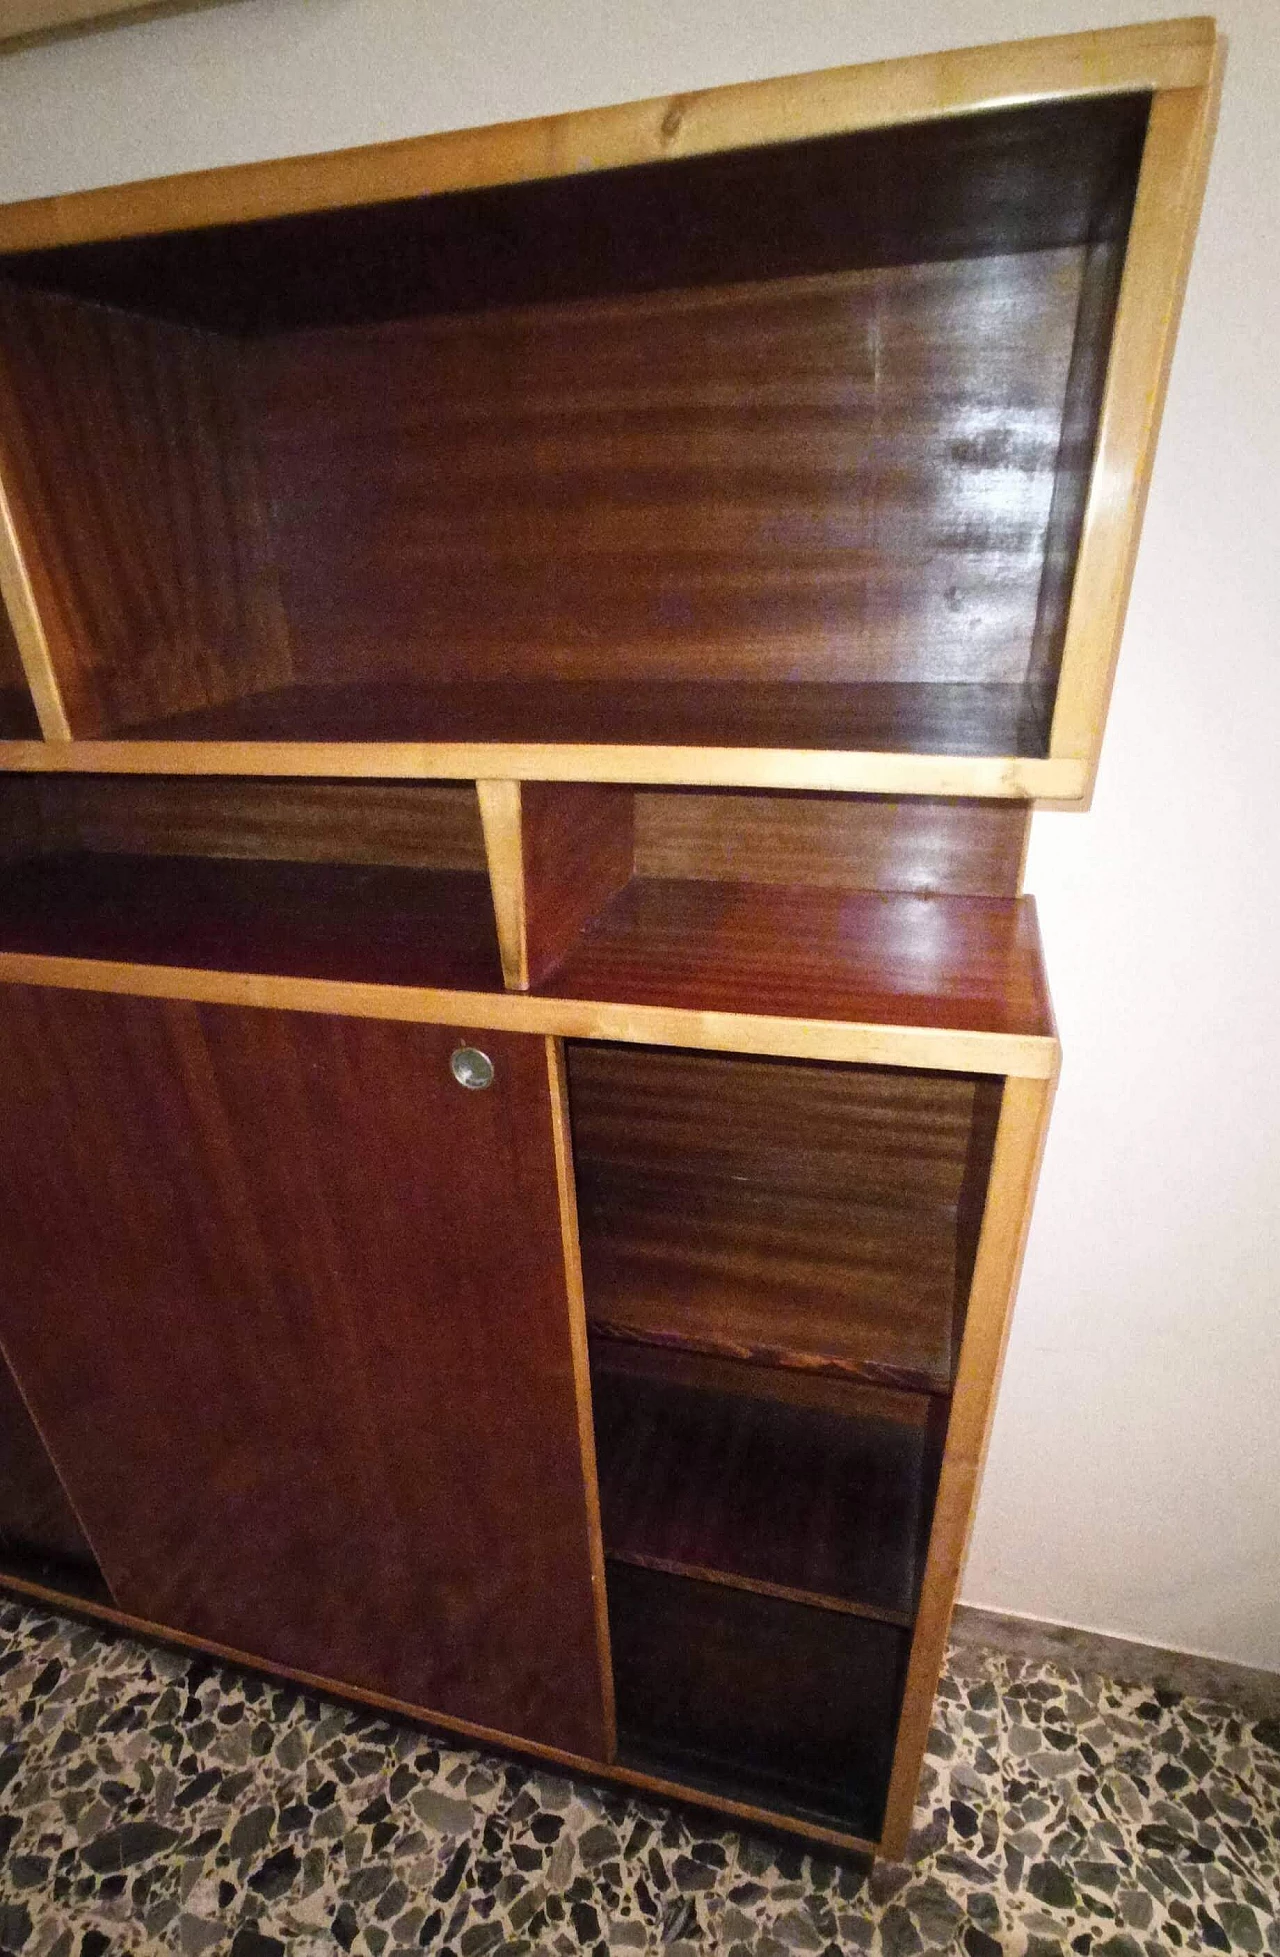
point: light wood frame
(1179, 61)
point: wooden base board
(1255, 1692)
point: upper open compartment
(782, 446)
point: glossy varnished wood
(791, 1706)
(868, 842)
(267, 1243)
(557, 854)
(842, 479)
(823, 1503)
(961, 720)
(415, 825)
(785, 1214)
(579, 850)
(361, 923)
(133, 495)
(929, 961)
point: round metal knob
(471, 1068)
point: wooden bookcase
(607, 593)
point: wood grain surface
(960, 719)
(365, 923)
(792, 1215)
(918, 844)
(257, 1284)
(840, 479)
(884, 956)
(127, 463)
(827, 1505)
(415, 825)
(792, 1705)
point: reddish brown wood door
(290, 1307)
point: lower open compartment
(773, 1703)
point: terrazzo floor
(152, 1802)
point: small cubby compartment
(786, 1484)
(377, 882)
(779, 447)
(789, 1213)
(763, 1700)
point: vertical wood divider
(1015, 1166)
(1175, 161)
(558, 851)
(501, 817)
(19, 598)
(568, 1195)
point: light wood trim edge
(502, 819)
(83, 1608)
(18, 596)
(1015, 1166)
(939, 1048)
(1006, 777)
(1159, 55)
(567, 1191)
(1175, 162)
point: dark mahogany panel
(885, 957)
(291, 1307)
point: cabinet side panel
(290, 1307)
(1015, 1165)
(135, 505)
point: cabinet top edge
(1157, 55)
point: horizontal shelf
(795, 1501)
(885, 717)
(971, 963)
(371, 924)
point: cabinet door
(290, 1306)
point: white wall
(1135, 1471)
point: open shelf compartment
(797, 1487)
(772, 1703)
(789, 1213)
(383, 883)
(781, 447)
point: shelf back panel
(846, 479)
(787, 1213)
(137, 508)
(919, 844)
(409, 825)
